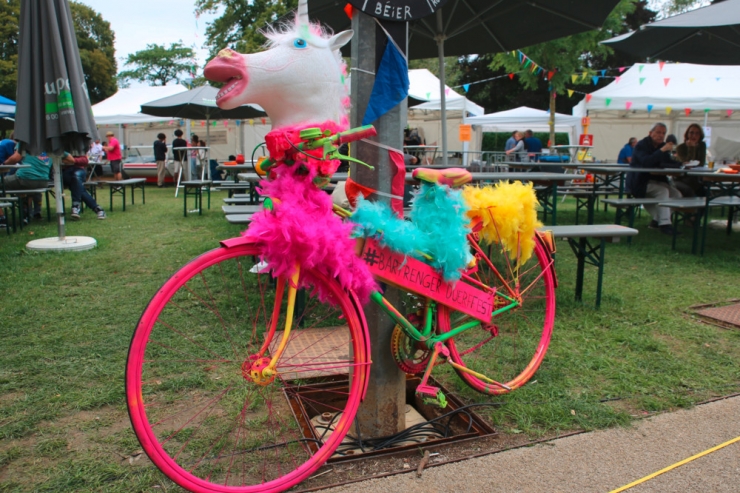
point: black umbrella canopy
(199, 104)
(709, 36)
(53, 108)
(484, 26)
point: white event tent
(525, 118)
(675, 94)
(124, 107)
(426, 117)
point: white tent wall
(620, 110)
(431, 125)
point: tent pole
(442, 98)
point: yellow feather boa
(508, 212)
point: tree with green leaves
(95, 42)
(240, 22)
(158, 65)
(9, 15)
(561, 58)
(94, 39)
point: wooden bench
(238, 200)
(241, 209)
(194, 188)
(578, 238)
(239, 218)
(245, 188)
(14, 195)
(119, 187)
(628, 206)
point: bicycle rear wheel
(510, 349)
(194, 407)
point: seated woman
(693, 149)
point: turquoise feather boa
(438, 228)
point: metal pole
(56, 162)
(442, 96)
(382, 412)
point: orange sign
(586, 121)
(466, 133)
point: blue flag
(391, 84)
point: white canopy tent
(525, 118)
(675, 94)
(125, 105)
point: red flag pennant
(588, 98)
(666, 80)
(511, 76)
(687, 111)
(661, 64)
(550, 74)
(729, 113)
(622, 69)
(349, 10)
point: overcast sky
(141, 22)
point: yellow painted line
(677, 464)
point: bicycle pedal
(432, 396)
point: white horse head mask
(299, 80)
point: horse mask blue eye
(300, 43)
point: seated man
(37, 176)
(654, 152)
(73, 177)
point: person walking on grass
(73, 177)
(113, 150)
(179, 155)
(654, 152)
(160, 156)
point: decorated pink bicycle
(247, 367)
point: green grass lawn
(67, 320)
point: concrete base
(68, 244)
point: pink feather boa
(302, 229)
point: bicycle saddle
(452, 177)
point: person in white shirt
(96, 152)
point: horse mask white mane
(299, 80)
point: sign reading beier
(398, 10)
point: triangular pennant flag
(668, 110)
(588, 98)
(527, 63)
(570, 93)
(584, 75)
(666, 80)
(650, 108)
(642, 79)
(466, 87)
(639, 69)
(226, 123)
(429, 95)
(595, 79)
(550, 74)
(617, 79)
(729, 113)
(603, 73)
(687, 111)
(349, 10)
(521, 57)
(706, 110)
(549, 88)
(628, 104)
(661, 64)
(691, 80)
(238, 123)
(264, 121)
(250, 121)
(447, 91)
(511, 76)
(608, 101)
(391, 84)
(622, 69)
(574, 78)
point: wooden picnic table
(723, 184)
(234, 170)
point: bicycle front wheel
(193, 404)
(510, 348)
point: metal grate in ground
(309, 348)
(724, 314)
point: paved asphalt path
(600, 461)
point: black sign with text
(398, 10)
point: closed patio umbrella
(53, 111)
(467, 27)
(707, 36)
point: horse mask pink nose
(299, 78)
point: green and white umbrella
(53, 112)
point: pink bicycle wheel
(197, 412)
(509, 349)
